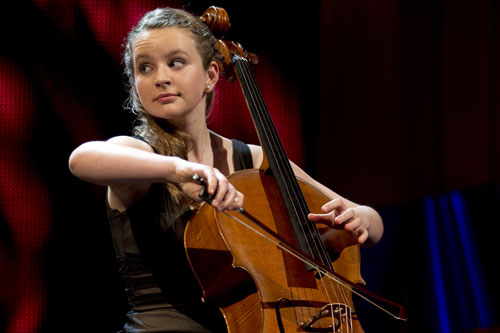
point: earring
(208, 87)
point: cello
(266, 266)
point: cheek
(139, 88)
(137, 84)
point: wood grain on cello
(266, 267)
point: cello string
(401, 309)
(295, 310)
(256, 98)
(331, 305)
(292, 187)
(350, 319)
(303, 310)
(332, 311)
(256, 104)
(311, 263)
(259, 110)
(284, 169)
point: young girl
(171, 64)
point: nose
(163, 77)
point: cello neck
(276, 162)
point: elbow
(78, 159)
(74, 161)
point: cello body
(258, 286)
(266, 267)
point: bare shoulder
(301, 173)
(257, 155)
(227, 145)
(304, 176)
(130, 142)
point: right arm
(129, 166)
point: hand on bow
(223, 194)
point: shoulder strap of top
(138, 137)
(242, 156)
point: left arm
(362, 223)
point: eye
(177, 63)
(145, 68)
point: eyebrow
(169, 54)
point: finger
(353, 225)
(201, 188)
(345, 216)
(235, 201)
(326, 219)
(222, 189)
(193, 191)
(228, 200)
(363, 237)
(211, 180)
(334, 204)
(240, 200)
(321, 218)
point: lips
(166, 98)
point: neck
(206, 147)
(195, 126)
(200, 148)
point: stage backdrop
(389, 103)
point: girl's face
(169, 75)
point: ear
(212, 76)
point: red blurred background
(386, 102)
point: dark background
(390, 103)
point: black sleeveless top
(163, 294)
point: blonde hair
(163, 137)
